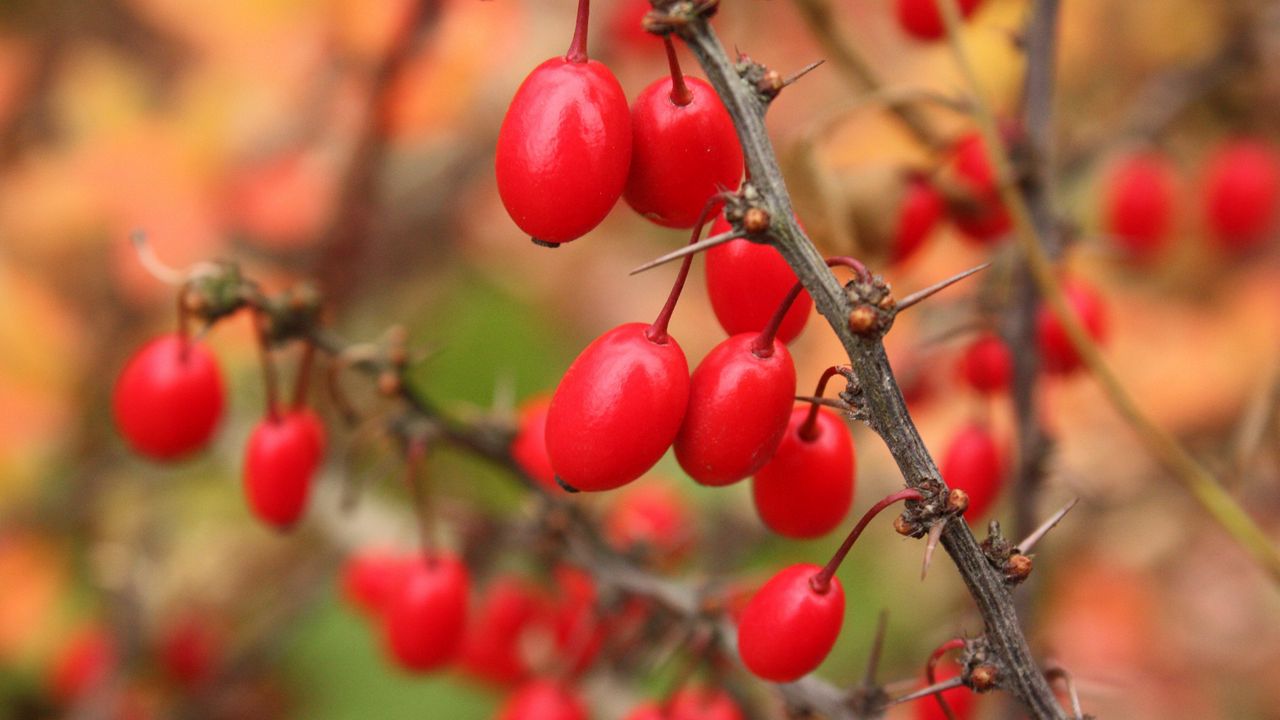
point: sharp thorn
(935, 534)
(943, 686)
(699, 246)
(1025, 546)
(802, 72)
(877, 647)
(919, 295)
(825, 402)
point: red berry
(1057, 354)
(369, 576)
(282, 457)
(923, 19)
(703, 703)
(1138, 206)
(747, 281)
(788, 628)
(650, 518)
(987, 364)
(617, 409)
(564, 149)
(543, 700)
(739, 401)
(427, 613)
(647, 711)
(1241, 186)
(491, 647)
(82, 664)
(973, 463)
(168, 399)
(961, 700)
(682, 154)
(806, 489)
(578, 629)
(190, 650)
(985, 218)
(529, 449)
(922, 207)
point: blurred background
(306, 140)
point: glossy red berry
(923, 19)
(806, 489)
(1241, 189)
(617, 409)
(169, 398)
(491, 648)
(787, 628)
(1138, 205)
(370, 575)
(747, 281)
(1057, 355)
(529, 448)
(740, 398)
(577, 628)
(703, 703)
(973, 463)
(281, 459)
(987, 364)
(984, 217)
(922, 206)
(426, 613)
(190, 650)
(682, 153)
(564, 148)
(651, 519)
(543, 700)
(82, 664)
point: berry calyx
(788, 627)
(529, 448)
(1241, 192)
(987, 364)
(806, 489)
(168, 399)
(746, 282)
(1058, 354)
(973, 463)
(282, 456)
(1138, 206)
(543, 700)
(684, 149)
(426, 613)
(564, 147)
(369, 577)
(922, 19)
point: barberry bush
(642, 359)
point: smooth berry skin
(787, 628)
(369, 577)
(703, 703)
(1057, 355)
(82, 665)
(747, 281)
(491, 647)
(650, 519)
(987, 220)
(426, 614)
(1241, 189)
(1138, 205)
(617, 409)
(543, 700)
(739, 404)
(681, 154)
(806, 489)
(973, 463)
(529, 448)
(564, 149)
(922, 207)
(922, 19)
(168, 400)
(987, 365)
(281, 459)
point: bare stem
(681, 95)
(578, 46)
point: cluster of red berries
(569, 147)
(1239, 196)
(168, 403)
(922, 19)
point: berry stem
(681, 95)
(578, 46)
(303, 382)
(184, 322)
(415, 453)
(931, 676)
(269, 377)
(821, 582)
(809, 429)
(657, 332)
(763, 345)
